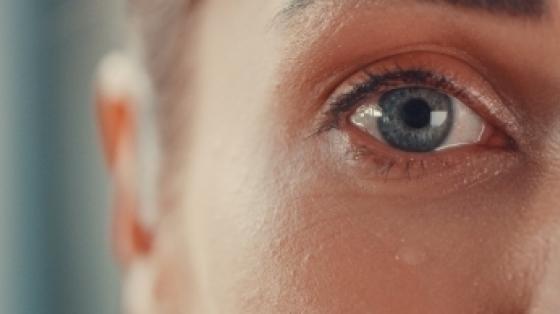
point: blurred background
(54, 218)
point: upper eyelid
(375, 81)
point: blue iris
(415, 119)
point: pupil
(416, 113)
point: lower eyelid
(373, 160)
(450, 171)
(372, 165)
(378, 161)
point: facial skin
(274, 210)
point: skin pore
(274, 202)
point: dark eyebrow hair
(516, 8)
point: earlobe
(131, 239)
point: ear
(117, 106)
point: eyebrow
(517, 8)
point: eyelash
(385, 81)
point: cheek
(292, 237)
(277, 228)
(342, 253)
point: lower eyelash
(388, 167)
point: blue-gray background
(54, 221)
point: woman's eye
(419, 114)
(419, 120)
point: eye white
(467, 128)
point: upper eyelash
(387, 79)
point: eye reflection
(419, 120)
